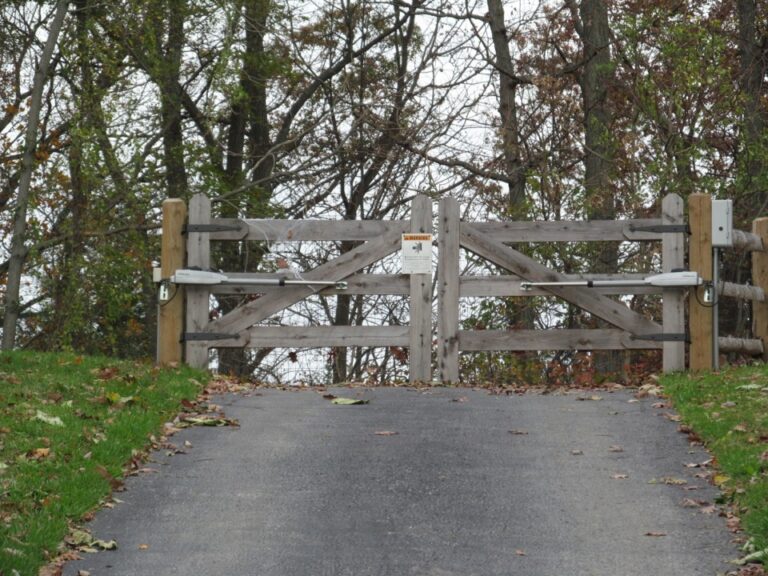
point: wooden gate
(187, 331)
(240, 327)
(489, 240)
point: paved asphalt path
(305, 487)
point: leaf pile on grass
(728, 411)
(68, 426)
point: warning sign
(417, 253)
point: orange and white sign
(417, 253)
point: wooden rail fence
(186, 332)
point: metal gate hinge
(202, 336)
(670, 337)
(203, 228)
(662, 228)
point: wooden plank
(305, 230)
(326, 336)
(389, 284)
(613, 312)
(570, 231)
(760, 279)
(748, 346)
(198, 255)
(250, 313)
(509, 285)
(448, 291)
(700, 258)
(170, 316)
(673, 302)
(741, 291)
(534, 340)
(420, 353)
(748, 241)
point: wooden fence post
(170, 316)
(198, 255)
(760, 279)
(673, 258)
(700, 259)
(448, 291)
(420, 352)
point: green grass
(729, 411)
(63, 420)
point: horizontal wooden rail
(393, 284)
(750, 346)
(305, 230)
(571, 231)
(747, 241)
(742, 291)
(559, 339)
(327, 336)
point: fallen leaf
(740, 428)
(619, 476)
(348, 401)
(48, 419)
(658, 405)
(691, 503)
(720, 479)
(518, 432)
(577, 452)
(329, 397)
(520, 552)
(386, 433)
(48, 570)
(669, 480)
(40, 453)
(460, 399)
(655, 534)
(672, 417)
(711, 509)
(187, 421)
(114, 483)
(83, 573)
(728, 404)
(594, 398)
(615, 448)
(143, 546)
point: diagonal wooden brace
(601, 306)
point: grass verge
(729, 412)
(68, 426)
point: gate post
(198, 255)
(700, 259)
(448, 290)
(420, 351)
(170, 315)
(673, 306)
(760, 279)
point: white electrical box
(722, 223)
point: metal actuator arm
(682, 279)
(208, 278)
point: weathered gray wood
(673, 303)
(570, 231)
(749, 346)
(326, 336)
(532, 340)
(420, 353)
(198, 255)
(509, 285)
(306, 230)
(741, 291)
(250, 313)
(448, 291)
(603, 307)
(747, 241)
(391, 284)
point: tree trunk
(595, 79)
(18, 252)
(514, 167)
